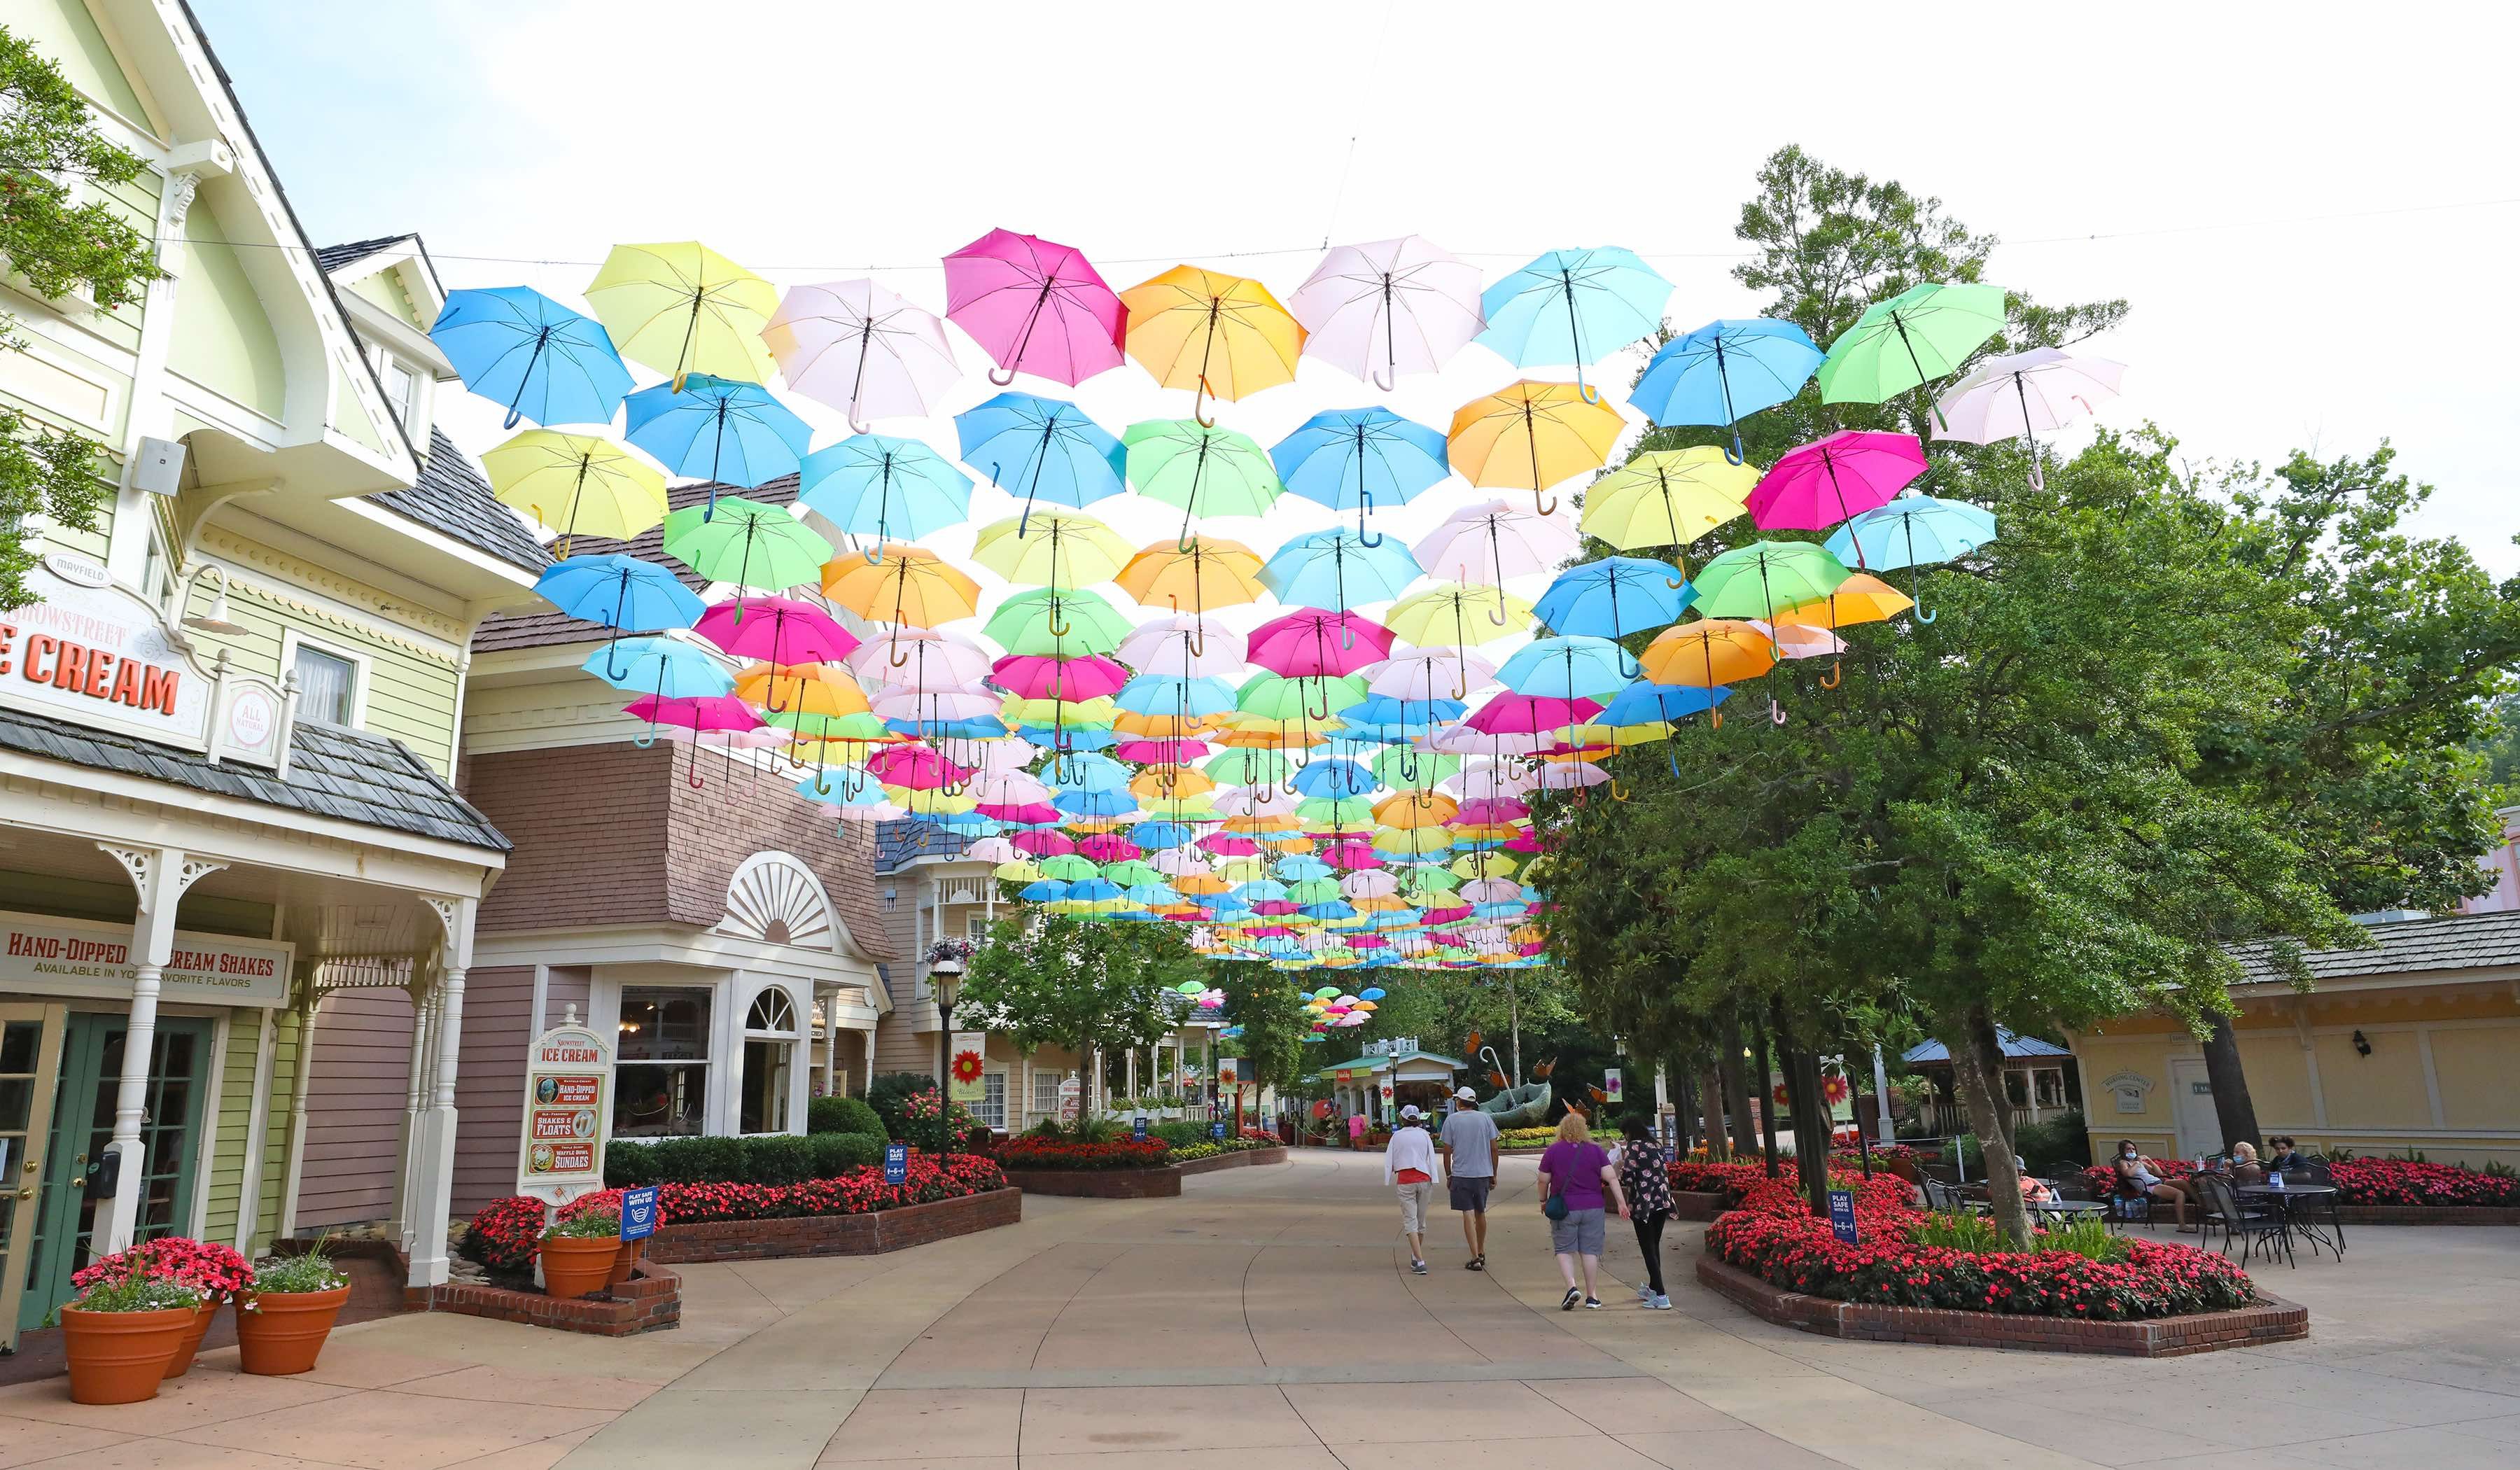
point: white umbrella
(1428, 674)
(1493, 541)
(918, 658)
(1184, 647)
(1387, 308)
(862, 349)
(1374, 883)
(2023, 393)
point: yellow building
(2412, 1043)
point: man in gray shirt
(1470, 1142)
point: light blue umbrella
(1614, 597)
(1043, 891)
(661, 667)
(1644, 703)
(1568, 668)
(1041, 449)
(843, 787)
(1335, 571)
(883, 486)
(1335, 778)
(718, 430)
(1913, 530)
(622, 593)
(1299, 868)
(1357, 459)
(1172, 695)
(1725, 372)
(1087, 771)
(1574, 306)
(512, 344)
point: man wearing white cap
(1410, 1165)
(1471, 1152)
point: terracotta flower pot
(623, 1261)
(193, 1335)
(120, 1357)
(574, 1268)
(281, 1332)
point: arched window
(769, 1053)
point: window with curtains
(328, 685)
(1045, 1092)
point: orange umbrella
(904, 585)
(1708, 652)
(1531, 435)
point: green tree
(1263, 1003)
(48, 148)
(1077, 983)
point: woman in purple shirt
(1578, 1171)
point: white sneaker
(1644, 1293)
(1657, 1304)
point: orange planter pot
(182, 1361)
(120, 1357)
(576, 1268)
(622, 1262)
(282, 1333)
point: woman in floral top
(1649, 1189)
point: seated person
(2245, 1168)
(2140, 1176)
(2284, 1156)
(2034, 1192)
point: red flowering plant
(213, 1271)
(2374, 1181)
(505, 1235)
(933, 1123)
(1033, 1152)
(1846, 1152)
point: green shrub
(887, 1091)
(777, 1159)
(628, 1165)
(2092, 1238)
(700, 1161)
(1956, 1231)
(841, 1115)
(836, 1154)
(1177, 1132)
(2055, 1146)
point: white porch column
(416, 1095)
(161, 875)
(432, 1178)
(311, 998)
(1885, 1126)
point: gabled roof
(897, 845)
(2011, 1046)
(333, 257)
(2406, 946)
(453, 499)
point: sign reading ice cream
(568, 1082)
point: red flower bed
(506, 1233)
(2374, 1181)
(1773, 1236)
(215, 1270)
(1024, 1152)
(1847, 1153)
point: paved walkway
(1266, 1320)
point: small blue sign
(896, 1163)
(1841, 1215)
(639, 1213)
(1216, 1130)
(1138, 1127)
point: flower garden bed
(651, 1301)
(2388, 1191)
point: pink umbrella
(1229, 845)
(1524, 841)
(707, 715)
(1530, 714)
(1310, 642)
(1043, 844)
(1073, 679)
(1163, 752)
(920, 768)
(1813, 486)
(1034, 307)
(1492, 811)
(1443, 915)
(1349, 852)
(776, 629)
(1031, 813)
(1108, 847)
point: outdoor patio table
(2067, 1209)
(2295, 1201)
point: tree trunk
(1802, 1085)
(1990, 1053)
(1737, 1092)
(1766, 1100)
(1710, 1104)
(1976, 1088)
(2236, 1113)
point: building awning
(2014, 1047)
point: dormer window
(401, 385)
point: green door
(179, 1083)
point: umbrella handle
(1618, 792)
(692, 776)
(1629, 666)
(855, 426)
(1669, 757)
(1001, 381)
(822, 783)
(1775, 711)
(897, 658)
(1378, 379)
(1057, 627)
(1195, 645)
(1199, 399)
(1836, 674)
(1364, 507)
(875, 557)
(1734, 454)
(1544, 508)
(1714, 721)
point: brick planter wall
(651, 1301)
(1100, 1183)
(2270, 1320)
(868, 1235)
(1242, 1160)
(1691, 1205)
(2384, 1214)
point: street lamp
(944, 980)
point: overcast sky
(2312, 211)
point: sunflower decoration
(1833, 1089)
(966, 1066)
(1783, 1097)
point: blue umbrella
(1152, 835)
(1172, 695)
(1725, 372)
(1323, 568)
(622, 593)
(1644, 703)
(1567, 668)
(1087, 772)
(718, 430)
(1334, 778)
(661, 667)
(1390, 720)
(1299, 868)
(1041, 449)
(1574, 306)
(1587, 598)
(1045, 891)
(883, 486)
(1913, 530)
(1078, 738)
(1356, 458)
(512, 344)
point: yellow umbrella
(1669, 497)
(1206, 571)
(683, 308)
(1860, 599)
(1531, 435)
(812, 689)
(1219, 336)
(904, 585)
(577, 483)
(1458, 614)
(1164, 726)
(1064, 549)
(1173, 781)
(1020, 870)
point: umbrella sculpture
(1530, 436)
(880, 486)
(1493, 541)
(715, 714)
(1860, 599)
(777, 631)
(861, 349)
(1585, 598)
(2023, 392)
(1219, 336)
(1336, 570)
(1207, 571)
(660, 666)
(1923, 332)
(1725, 372)
(1819, 484)
(1915, 530)
(1042, 449)
(1394, 306)
(719, 430)
(1354, 459)
(1034, 307)
(1708, 653)
(1574, 306)
(1759, 580)
(684, 308)
(574, 483)
(513, 345)
(1200, 468)
(1060, 622)
(621, 592)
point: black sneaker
(1475, 1263)
(1593, 1302)
(1417, 1268)
(1573, 1295)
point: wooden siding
(354, 1108)
(409, 692)
(275, 1137)
(224, 1178)
(490, 1082)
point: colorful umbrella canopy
(1574, 306)
(1059, 622)
(905, 583)
(918, 658)
(2025, 392)
(1187, 647)
(1203, 571)
(1310, 642)
(1337, 569)
(1923, 332)
(1813, 486)
(801, 693)
(1458, 614)
(1568, 668)
(1493, 541)
(660, 666)
(1034, 307)
(884, 487)
(778, 630)
(683, 308)
(1725, 372)
(1051, 549)
(1667, 497)
(1915, 530)
(1221, 336)
(717, 430)
(1203, 470)
(576, 482)
(513, 345)
(861, 349)
(747, 542)
(1708, 652)
(1389, 307)
(1587, 598)
(1029, 676)
(622, 593)
(1531, 435)
(1758, 579)
(1356, 458)
(1041, 449)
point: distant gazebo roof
(2016, 1047)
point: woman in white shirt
(1409, 1166)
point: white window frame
(362, 671)
(745, 1035)
(1005, 1095)
(1038, 1108)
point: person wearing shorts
(1578, 1171)
(1470, 1149)
(1409, 1166)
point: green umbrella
(1274, 697)
(1404, 768)
(747, 542)
(1313, 891)
(1923, 332)
(1766, 577)
(1132, 872)
(1336, 811)
(1068, 868)
(1056, 622)
(1247, 766)
(1204, 471)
